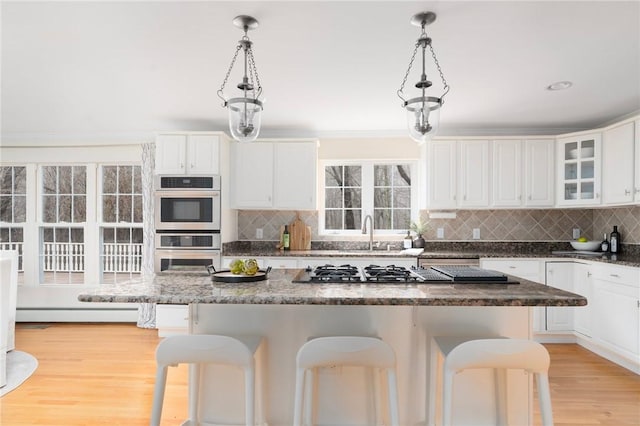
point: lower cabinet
(560, 275)
(583, 285)
(172, 319)
(616, 295)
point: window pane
(382, 219)
(64, 179)
(401, 219)
(124, 180)
(109, 208)
(49, 209)
(5, 209)
(382, 175)
(136, 235)
(333, 198)
(352, 176)
(124, 208)
(109, 179)
(352, 198)
(402, 175)
(6, 180)
(137, 208)
(402, 197)
(79, 208)
(382, 197)
(108, 235)
(49, 179)
(333, 176)
(79, 180)
(333, 219)
(137, 179)
(64, 209)
(20, 209)
(20, 180)
(352, 219)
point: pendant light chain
(226, 77)
(406, 76)
(444, 81)
(253, 71)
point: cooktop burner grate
(390, 273)
(331, 273)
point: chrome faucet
(364, 230)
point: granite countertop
(441, 250)
(194, 287)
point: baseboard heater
(77, 314)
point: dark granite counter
(191, 287)
(436, 250)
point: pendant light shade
(245, 112)
(423, 111)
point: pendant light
(423, 111)
(244, 112)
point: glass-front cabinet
(579, 169)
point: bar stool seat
(499, 354)
(369, 352)
(198, 349)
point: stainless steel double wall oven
(187, 222)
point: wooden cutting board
(299, 235)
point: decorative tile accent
(494, 225)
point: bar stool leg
(392, 386)
(158, 396)
(249, 386)
(544, 397)
(501, 395)
(447, 396)
(299, 394)
(194, 392)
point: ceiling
(74, 70)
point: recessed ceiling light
(560, 85)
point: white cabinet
(253, 175)
(578, 160)
(523, 173)
(473, 186)
(616, 295)
(560, 275)
(188, 153)
(172, 319)
(539, 172)
(637, 162)
(529, 269)
(618, 164)
(275, 175)
(507, 173)
(583, 285)
(441, 174)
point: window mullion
(367, 189)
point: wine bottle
(614, 240)
(286, 238)
(408, 241)
(604, 245)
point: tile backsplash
(494, 225)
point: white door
(507, 172)
(203, 152)
(539, 172)
(295, 175)
(474, 173)
(171, 154)
(617, 164)
(441, 174)
(253, 172)
(583, 285)
(560, 275)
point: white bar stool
(497, 353)
(197, 349)
(360, 351)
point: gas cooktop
(391, 274)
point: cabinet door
(637, 162)
(253, 172)
(578, 160)
(583, 283)
(473, 189)
(295, 183)
(560, 275)
(203, 154)
(171, 154)
(539, 172)
(507, 184)
(617, 164)
(441, 174)
(618, 316)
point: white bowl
(586, 246)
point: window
(64, 202)
(13, 211)
(351, 191)
(121, 230)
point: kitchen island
(404, 315)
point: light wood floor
(103, 374)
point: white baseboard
(77, 315)
(590, 344)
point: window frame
(367, 196)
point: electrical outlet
(476, 233)
(576, 233)
(259, 233)
(440, 233)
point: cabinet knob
(627, 192)
(615, 275)
(597, 195)
(529, 197)
(588, 274)
(637, 190)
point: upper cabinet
(578, 159)
(507, 173)
(637, 161)
(473, 186)
(275, 175)
(194, 153)
(539, 172)
(441, 174)
(618, 164)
